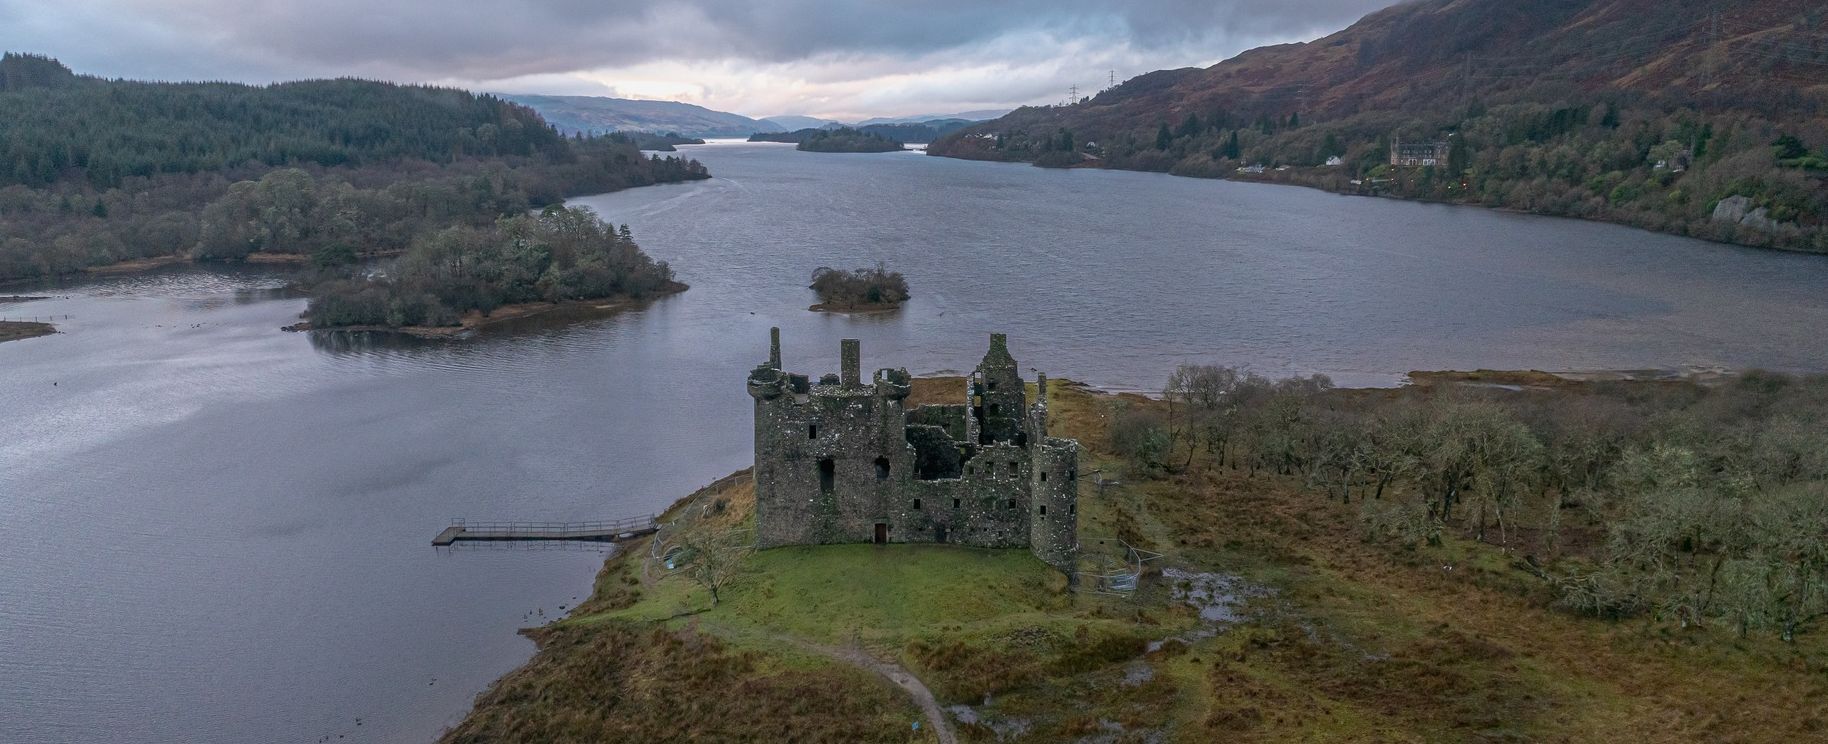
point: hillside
(790, 123)
(1562, 107)
(978, 115)
(97, 172)
(54, 123)
(599, 115)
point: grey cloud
(496, 39)
(825, 57)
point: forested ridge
(1653, 114)
(94, 172)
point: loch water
(215, 531)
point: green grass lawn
(885, 593)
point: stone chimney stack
(852, 361)
(774, 347)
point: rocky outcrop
(1738, 210)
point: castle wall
(1054, 508)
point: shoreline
(836, 309)
(1265, 180)
(474, 320)
(19, 330)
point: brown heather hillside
(1611, 81)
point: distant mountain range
(596, 114)
(796, 123)
(979, 115)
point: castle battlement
(843, 461)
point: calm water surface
(214, 531)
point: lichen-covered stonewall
(843, 461)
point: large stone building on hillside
(843, 461)
(1418, 153)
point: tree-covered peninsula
(561, 254)
(842, 139)
(848, 140)
(99, 172)
(1476, 557)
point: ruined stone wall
(1054, 511)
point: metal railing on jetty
(462, 530)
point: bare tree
(713, 558)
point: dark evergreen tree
(1190, 127)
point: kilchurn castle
(843, 461)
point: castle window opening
(917, 505)
(993, 386)
(1072, 508)
(1014, 467)
(995, 409)
(882, 468)
(828, 475)
(812, 431)
(1012, 505)
(1043, 510)
(955, 503)
(1072, 475)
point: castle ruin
(843, 461)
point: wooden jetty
(610, 531)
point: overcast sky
(828, 58)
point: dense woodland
(1650, 114)
(1690, 503)
(96, 172)
(560, 254)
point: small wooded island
(858, 290)
(842, 139)
(462, 277)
